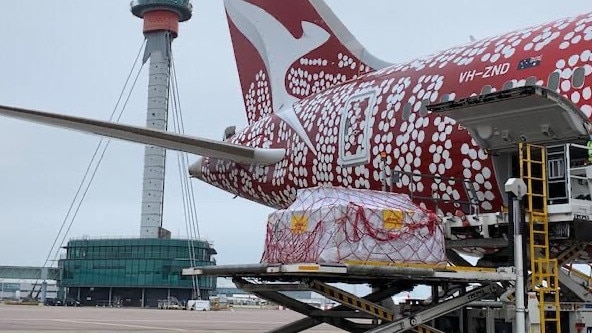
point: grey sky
(72, 56)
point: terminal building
(18, 289)
(134, 271)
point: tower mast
(161, 26)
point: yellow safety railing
(583, 277)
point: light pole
(516, 189)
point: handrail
(579, 274)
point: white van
(198, 305)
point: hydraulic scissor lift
(359, 314)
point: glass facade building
(134, 271)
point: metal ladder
(544, 270)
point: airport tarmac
(20, 318)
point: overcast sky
(72, 56)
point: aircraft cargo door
(354, 147)
(499, 121)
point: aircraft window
(423, 111)
(486, 90)
(579, 75)
(508, 85)
(406, 111)
(531, 81)
(553, 83)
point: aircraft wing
(185, 143)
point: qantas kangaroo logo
(275, 44)
(279, 50)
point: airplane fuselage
(374, 132)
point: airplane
(322, 110)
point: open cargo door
(499, 120)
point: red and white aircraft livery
(323, 111)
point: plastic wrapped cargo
(339, 225)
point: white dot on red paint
(420, 187)
(467, 173)
(409, 158)
(565, 86)
(587, 93)
(420, 136)
(433, 168)
(464, 149)
(560, 64)
(479, 178)
(566, 73)
(448, 164)
(576, 39)
(573, 60)
(486, 172)
(482, 154)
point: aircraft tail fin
(288, 50)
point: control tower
(93, 269)
(161, 26)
